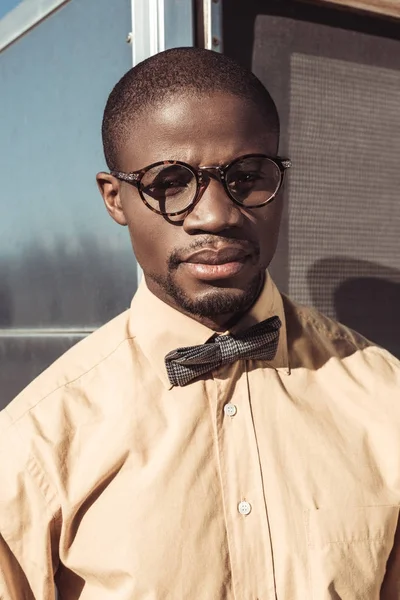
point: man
(216, 441)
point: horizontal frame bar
(390, 8)
(46, 332)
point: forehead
(212, 129)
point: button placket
(246, 525)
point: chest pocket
(348, 550)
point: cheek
(143, 226)
(151, 241)
(268, 223)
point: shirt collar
(158, 328)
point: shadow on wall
(364, 295)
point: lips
(212, 264)
(217, 257)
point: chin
(221, 297)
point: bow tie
(259, 342)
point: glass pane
(63, 262)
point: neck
(218, 323)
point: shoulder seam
(322, 328)
(127, 339)
(67, 383)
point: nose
(214, 210)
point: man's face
(178, 258)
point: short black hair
(190, 71)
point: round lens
(169, 188)
(253, 181)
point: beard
(216, 302)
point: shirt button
(230, 409)
(244, 508)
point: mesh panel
(344, 190)
(338, 94)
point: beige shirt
(259, 481)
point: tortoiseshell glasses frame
(202, 178)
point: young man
(216, 441)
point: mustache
(211, 242)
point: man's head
(200, 108)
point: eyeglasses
(172, 187)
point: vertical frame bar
(209, 30)
(147, 29)
(158, 25)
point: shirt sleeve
(27, 522)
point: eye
(167, 187)
(168, 182)
(245, 178)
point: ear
(110, 189)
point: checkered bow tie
(259, 342)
